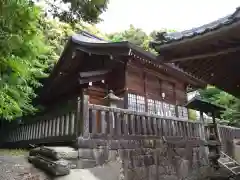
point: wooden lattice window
(136, 102)
(182, 112)
(166, 109)
(172, 110)
(155, 107)
(151, 106)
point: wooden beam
(202, 56)
(92, 79)
(93, 73)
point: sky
(158, 14)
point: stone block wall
(150, 159)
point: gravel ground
(18, 168)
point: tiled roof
(84, 36)
(167, 38)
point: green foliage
(57, 33)
(22, 59)
(192, 114)
(31, 44)
(74, 11)
(136, 36)
(232, 114)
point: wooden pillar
(201, 117)
(85, 115)
(126, 99)
(215, 126)
(82, 118)
(176, 111)
(202, 129)
(78, 117)
(125, 85)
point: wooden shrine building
(97, 66)
(150, 98)
(210, 52)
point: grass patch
(13, 152)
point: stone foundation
(149, 159)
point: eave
(209, 53)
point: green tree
(154, 34)
(74, 11)
(57, 33)
(22, 56)
(134, 35)
(231, 116)
(192, 114)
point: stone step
(110, 171)
(85, 163)
(55, 153)
(86, 153)
(118, 144)
(54, 168)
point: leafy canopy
(74, 11)
(22, 59)
(31, 43)
(136, 36)
(231, 116)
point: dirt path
(18, 168)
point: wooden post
(202, 129)
(201, 117)
(125, 99)
(176, 111)
(215, 125)
(77, 119)
(84, 115)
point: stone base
(110, 171)
(137, 160)
(85, 163)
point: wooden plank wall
(152, 83)
(96, 95)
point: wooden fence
(57, 129)
(97, 121)
(58, 125)
(227, 134)
(119, 123)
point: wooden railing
(97, 121)
(227, 135)
(106, 121)
(58, 125)
(228, 132)
(59, 128)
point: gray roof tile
(178, 36)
